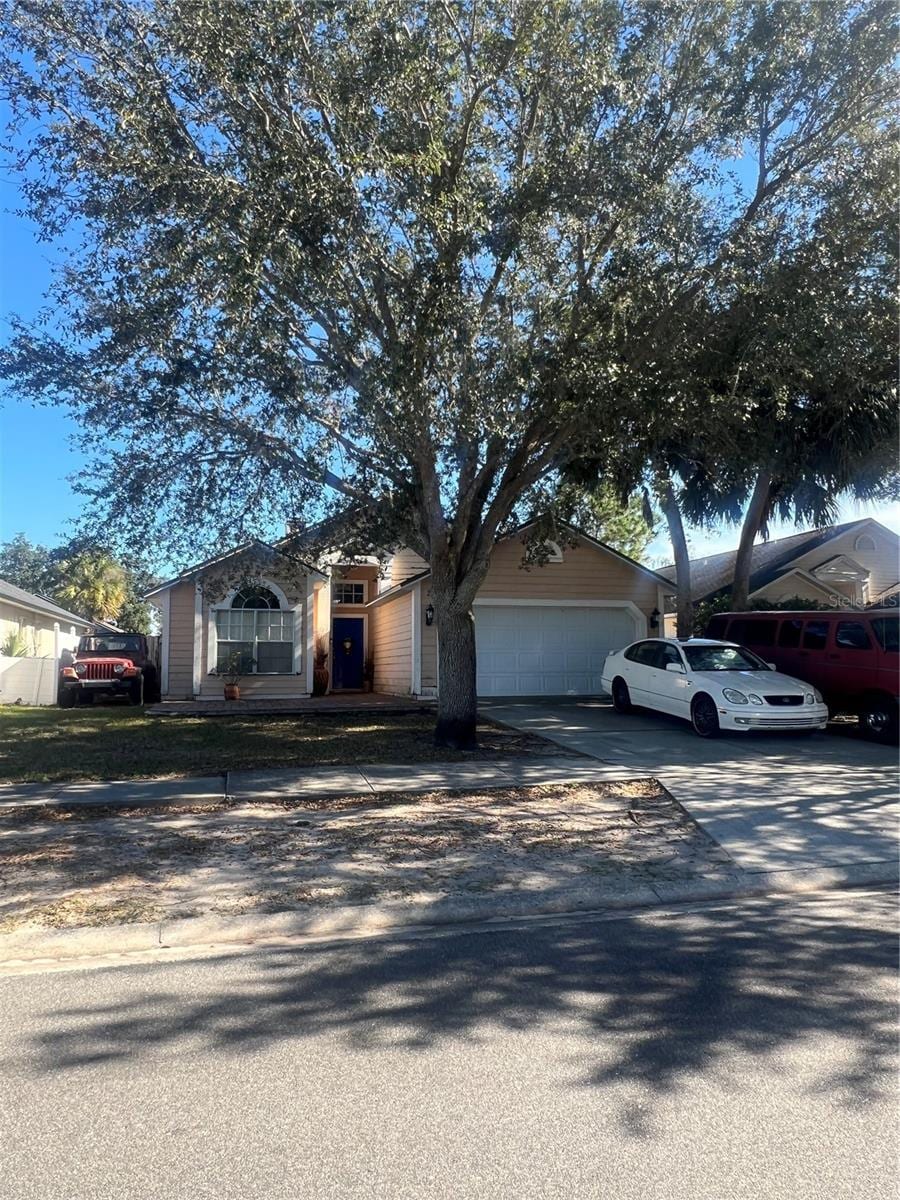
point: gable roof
(21, 599)
(714, 573)
(810, 580)
(404, 584)
(193, 572)
(598, 545)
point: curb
(360, 920)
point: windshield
(722, 658)
(112, 643)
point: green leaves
(413, 260)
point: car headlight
(734, 697)
(810, 698)
(753, 698)
(80, 669)
(119, 668)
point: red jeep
(112, 664)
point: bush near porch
(51, 745)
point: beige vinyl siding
(403, 565)
(258, 687)
(586, 573)
(268, 687)
(365, 572)
(882, 563)
(181, 641)
(793, 585)
(37, 630)
(390, 640)
(181, 650)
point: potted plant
(320, 667)
(368, 674)
(231, 671)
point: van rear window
(851, 635)
(887, 630)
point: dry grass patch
(83, 867)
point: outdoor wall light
(654, 619)
(429, 615)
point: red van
(851, 657)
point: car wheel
(878, 719)
(136, 692)
(66, 697)
(621, 697)
(704, 718)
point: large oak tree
(417, 257)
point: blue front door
(347, 652)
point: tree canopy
(404, 261)
(82, 577)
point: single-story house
(34, 634)
(853, 564)
(40, 627)
(540, 630)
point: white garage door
(539, 650)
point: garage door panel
(546, 650)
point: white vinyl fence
(28, 680)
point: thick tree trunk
(757, 511)
(684, 626)
(457, 700)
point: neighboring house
(541, 630)
(854, 564)
(41, 626)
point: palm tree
(94, 584)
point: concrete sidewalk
(317, 781)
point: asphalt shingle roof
(715, 572)
(17, 595)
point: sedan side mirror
(772, 666)
(675, 668)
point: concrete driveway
(774, 801)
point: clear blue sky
(36, 458)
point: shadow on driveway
(641, 1003)
(774, 801)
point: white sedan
(714, 685)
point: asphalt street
(732, 1051)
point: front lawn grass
(52, 745)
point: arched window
(257, 632)
(554, 552)
(255, 597)
(865, 541)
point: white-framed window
(259, 630)
(554, 552)
(350, 591)
(865, 541)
